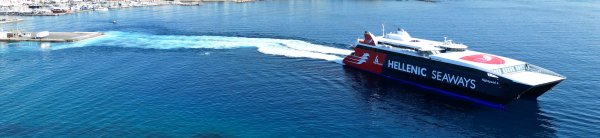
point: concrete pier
(52, 37)
(2, 20)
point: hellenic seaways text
(435, 74)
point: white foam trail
(281, 47)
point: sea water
(272, 69)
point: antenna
(382, 29)
(446, 42)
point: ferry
(450, 68)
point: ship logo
(483, 58)
(363, 59)
(376, 61)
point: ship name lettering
(489, 81)
(408, 68)
(453, 79)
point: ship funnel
(369, 39)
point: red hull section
(366, 60)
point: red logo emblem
(482, 58)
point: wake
(279, 47)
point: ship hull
(449, 79)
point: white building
(11, 2)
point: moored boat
(101, 9)
(60, 10)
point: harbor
(45, 36)
(62, 7)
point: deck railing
(525, 67)
(534, 68)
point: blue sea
(272, 69)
